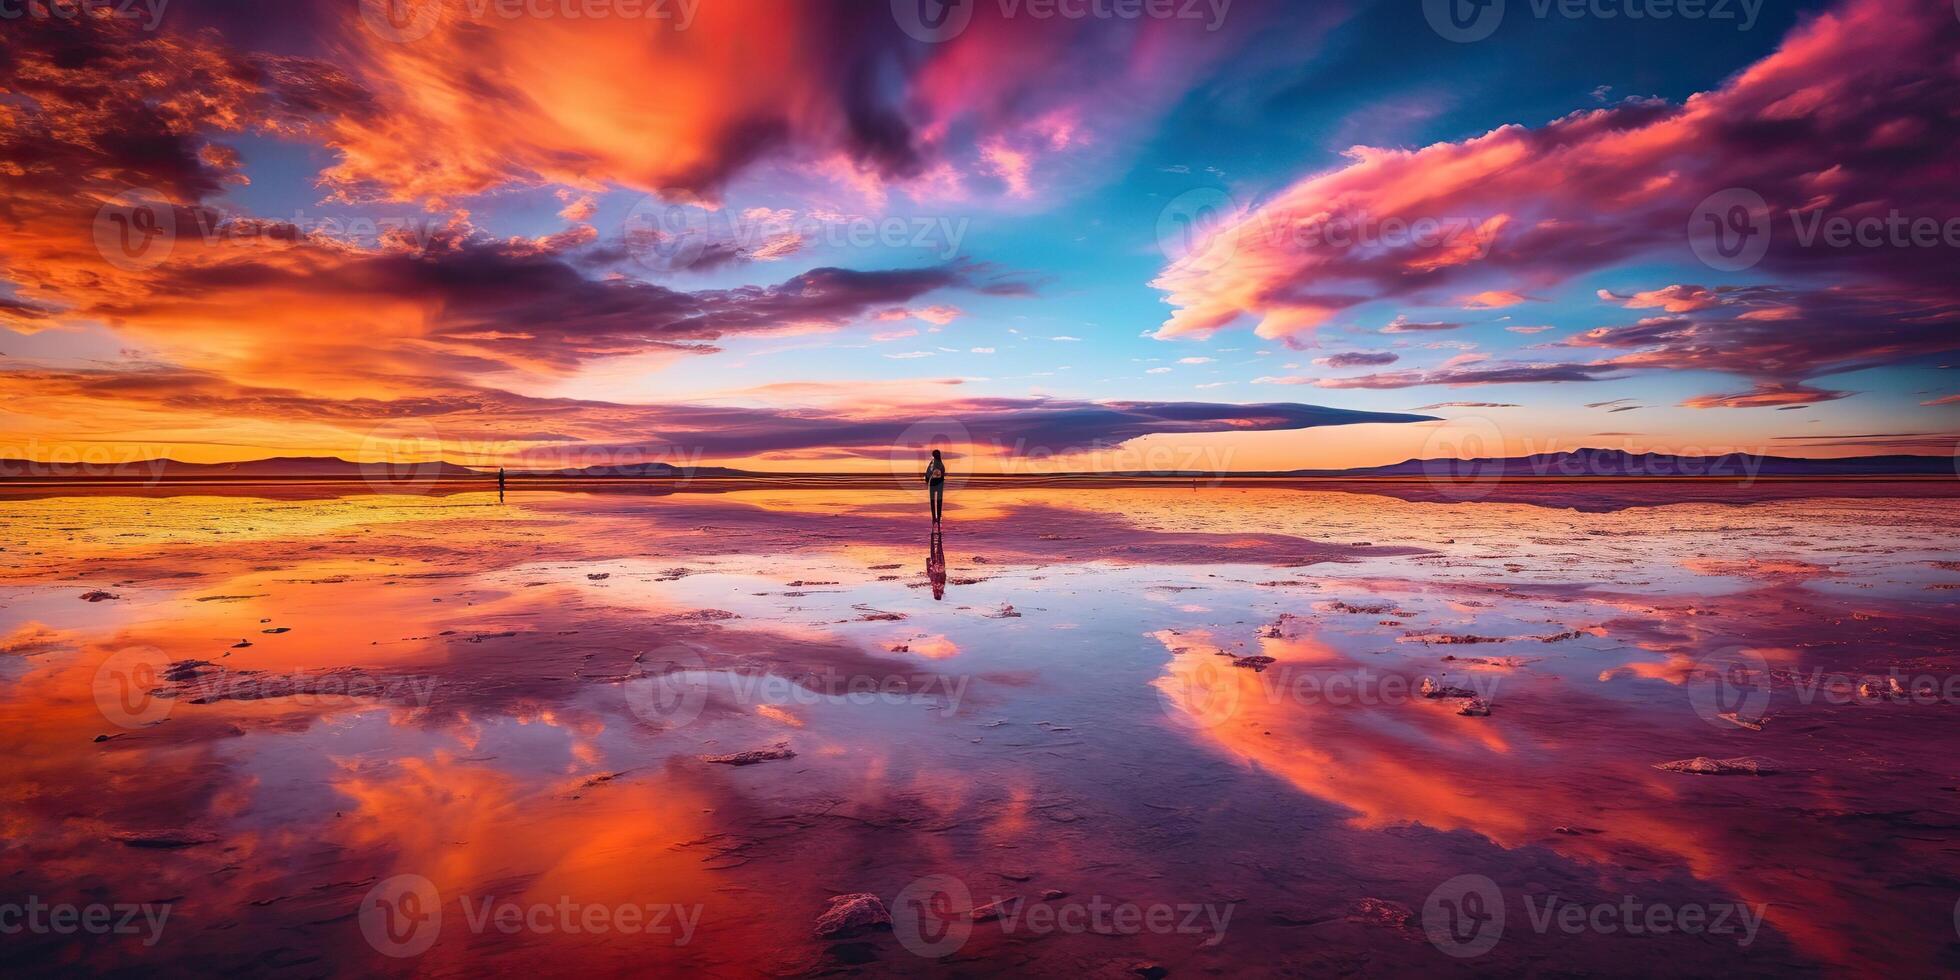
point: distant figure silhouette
(936, 484)
(936, 565)
(500, 483)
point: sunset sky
(795, 235)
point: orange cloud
(1520, 208)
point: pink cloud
(1767, 395)
(1456, 377)
(940, 315)
(1010, 165)
(1835, 119)
(1673, 299)
(1402, 324)
(1779, 337)
(1493, 299)
(1357, 359)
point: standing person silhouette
(500, 483)
(936, 484)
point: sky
(1044, 234)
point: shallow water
(514, 705)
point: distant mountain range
(1598, 463)
(1615, 463)
(633, 470)
(277, 467)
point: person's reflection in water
(936, 566)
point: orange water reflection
(544, 701)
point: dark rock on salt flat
(163, 839)
(752, 757)
(702, 616)
(1257, 663)
(1702, 765)
(1872, 688)
(1369, 609)
(1476, 708)
(184, 670)
(1381, 912)
(849, 914)
(99, 596)
(1431, 688)
(1488, 661)
(1449, 639)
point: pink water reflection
(519, 704)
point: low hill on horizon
(632, 470)
(1611, 463)
(281, 467)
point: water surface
(288, 704)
